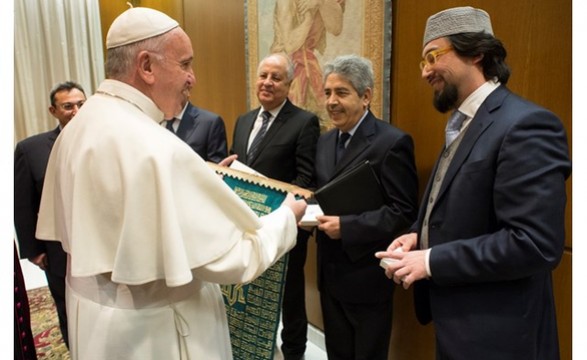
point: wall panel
(218, 37)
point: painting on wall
(312, 33)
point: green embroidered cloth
(253, 309)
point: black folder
(353, 192)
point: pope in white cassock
(148, 228)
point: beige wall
(218, 38)
(537, 35)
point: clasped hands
(409, 265)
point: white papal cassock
(149, 230)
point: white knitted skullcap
(136, 24)
(456, 21)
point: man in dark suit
(491, 227)
(286, 153)
(355, 295)
(30, 161)
(202, 130)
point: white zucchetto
(136, 24)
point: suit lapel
(329, 153)
(482, 120)
(246, 124)
(52, 137)
(360, 141)
(279, 121)
(189, 122)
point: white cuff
(427, 262)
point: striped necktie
(266, 115)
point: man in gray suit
(286, 152)
(202, 130)
(30, 161)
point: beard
(446, 99)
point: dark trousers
(294, 317)
(356, 331)
(57, 289)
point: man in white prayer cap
(148, 228)
(491, 226)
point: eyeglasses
(69, 106)
(431, 57)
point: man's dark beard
(446, 99)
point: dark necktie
(257, 140)
(169, 124)
(340, 146)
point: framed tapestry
(312, 34)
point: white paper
(237, 165)
(309, 218)
(386, 261)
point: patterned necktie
(453, 126)
(340, 146)
(257, 140)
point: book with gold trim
(261, 180)
(253, 309)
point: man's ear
(52, 110)
(145, 60)
(477, 59)
(367, 97)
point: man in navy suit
(491, 226)
(202, 130)
(286, 153)
(355, 295)
(30, 161)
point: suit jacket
(288, 149)
(348, 266)
(30, 162)
(496, 233)
(203, 131)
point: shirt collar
(274, 111)
(472, 103)
(354, 129)
(180, 115)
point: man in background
(285, 151)
(202, 130)
(149, 229)
(355, 295)
(30, 162)
(491, 227)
